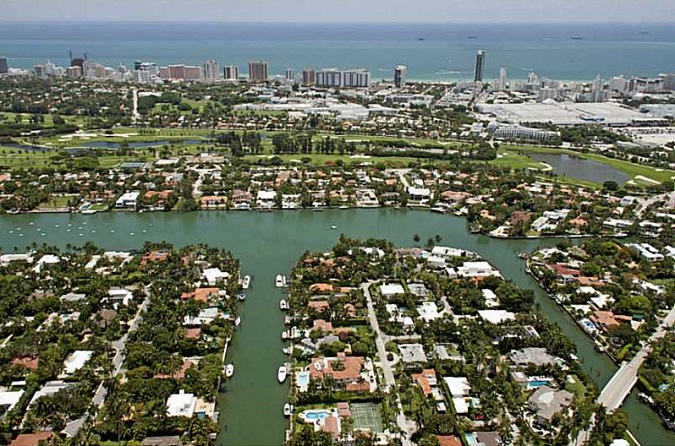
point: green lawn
(577, 388)
(507, 158)
(56, 202)
(321, 159)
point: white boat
(88, 211)
(343, 207)
(279, 282)
(283, 305)
(333, 227)
(229, 370)
(285, 335)
(237, 321)
(241, 296)
(288, 409)
(287, 350)
(246, 282)
(282, 373)
(283, 282)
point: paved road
(401, 174)
(407, 426)
(621, 384)
(119, 345)
(618, 388)
(643, 204)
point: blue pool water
(317, 415)
(538, 383)
(303, 379)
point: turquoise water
(446, 53)
(316, 415)
(538, 383)
(302, 379)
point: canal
(269, 244)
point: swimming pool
(302, 380)
(537, 383)
(313, 415)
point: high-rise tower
(480, 66)
(400, 73)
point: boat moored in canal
(229, 370)
(246, 282)
(282, 372)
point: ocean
(431, 51)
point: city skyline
(298, 11)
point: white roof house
(181, 404)
(10, 398)
(458, 386)
(213, 275)
(267, 195)
(435, 261)
(496, 316)
(476, 269)
(445, 251)
(121, 294)
(50, 388)
(127, 200)
(412, 353)
(419, 193)
(490, 297)
(47, 259)
(428, 311)
(5, 259)
(391, 289)
(205, 317)
(75, 361)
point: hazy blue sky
(341, 10)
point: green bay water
(269, 244)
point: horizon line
(328, 22)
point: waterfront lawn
(56, 202)
(577, 388)
(514, 160)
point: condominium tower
(257, 71)
(480, 66)
(400, 73)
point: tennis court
(366, 416)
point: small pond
(581, 169)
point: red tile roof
(30, 439)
